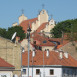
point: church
(40, 24)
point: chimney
(32, 40)
(23, 50)
(17, 39)
(15, 44)
(47, 53)
(66, 54)
(61, 54)
(33, 53)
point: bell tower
(22, 17)
(43, 16)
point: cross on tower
(43, 6)
(38, 11)
(22, 11)
(51, 16)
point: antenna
(38, 11)
(14, 35)
(51, 16)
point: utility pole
(62, 36)
(29, 30)
(21, 59)
(43, 66)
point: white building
(49, 64)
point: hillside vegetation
(68, 26)
(11, 30)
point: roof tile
(25, 24)
(3, 63)
(53, 59)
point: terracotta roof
(3, 63)
(53, 59)
(25, 23)
(55, 39)
(64, 43)
(60, 42)
(42, 26)
(41, 38)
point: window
(37, 71)
(24, 71)
(51, 72)
(63, 72)
(68, 73)
(34, 42)
(42, 12)
(44, 41)
(3, 76)
(40, 48)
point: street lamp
(43, 66)
(28, 30)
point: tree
(68, 26)
(18, 29)
(3, 32)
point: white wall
(6, 74)
(48, 47)
(57, 72)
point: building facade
(49, 64)
(40, 24)
(11, 53)
(6, 69)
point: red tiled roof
(64, 43)
(25, 24)
(42, 26)
(38, 37)
(59, 46)
(55, 39)
(53, 59)
(3, 63)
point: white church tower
(43, 17)
(22, 18)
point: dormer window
(23, 50)
(51, 22)
(42, 12)
(46, 25)
(44, 41)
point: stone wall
(71, 48)
(11, 53)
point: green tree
(18, 29)
(3, 32)
(68, 26)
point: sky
(61, 10)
